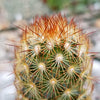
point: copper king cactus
(52, 61)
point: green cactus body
(52, 61)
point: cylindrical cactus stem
(52, 61)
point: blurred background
(21, 12)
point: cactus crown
(52, 61)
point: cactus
(52, 61)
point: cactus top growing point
(52, 61)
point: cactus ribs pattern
(52, 61)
